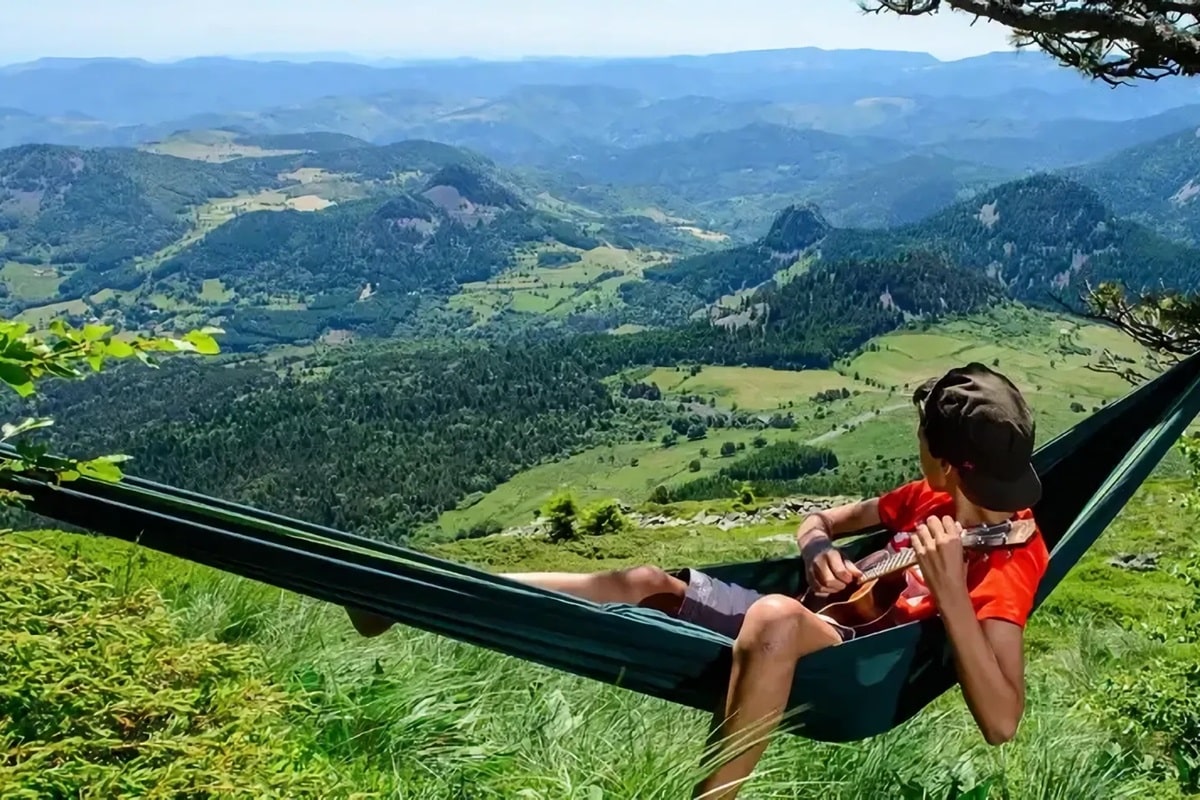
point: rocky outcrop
(786, 512)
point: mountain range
(291, 201)
(509, 239)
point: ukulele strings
(907, 557)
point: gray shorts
(722, 607)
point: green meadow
(135, 674)
(170, 679)
(1046, 355)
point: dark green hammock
(845, 693)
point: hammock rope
(844, 693)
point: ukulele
(866, 605)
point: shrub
(561, 512)
(100, 698)
(603, 518)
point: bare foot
(367, 623)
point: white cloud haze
(169, 29)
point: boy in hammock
(975, 435)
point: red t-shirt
(1001, 583)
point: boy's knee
(654, 580)
(780, 625)
(653, 584)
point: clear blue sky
(168, 29)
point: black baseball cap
(976, 419)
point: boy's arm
(834, 523)
(989, 657)
(825, 569)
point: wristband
(804, 540)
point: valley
(1049, 355)
(685, 298)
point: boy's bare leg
(777, 633)
(651, 587)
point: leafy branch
(72, 353)
(1113, 40)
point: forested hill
(462, 227)
(712, 275)
(812, 320)
(375, 439)
(99, 208)
(361, 265)
(1036, 238)
(389, 163)
(1157, 183)
(278, 238)
(1040, 237)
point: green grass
(210, 145)
(41, 316)
(600, 473)
(414, 715)
(1025, 343)
(213, 290)
(876, 421)
(29, 282)
(752, 388)
(557, 291)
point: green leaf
(9, 430)
(30, 452)
(17, 377)
(118, 348)
(180, 344)
(204, 343)
(60, 369)
(103, 469)
(93, 332)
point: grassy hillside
(556, 281)
(422, 716)
(1047, 355)
(100, 208)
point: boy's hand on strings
(825, 570)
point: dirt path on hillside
(861, 418)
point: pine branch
(1113, 40)
(1168, 324)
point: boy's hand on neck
(938, 546)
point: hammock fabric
(845, 693)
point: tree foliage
(770, 470)
(1112, 40)
(370, 438)
(67, 352)
(1167, 323)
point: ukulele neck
(1001, 534)
(894, 563)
